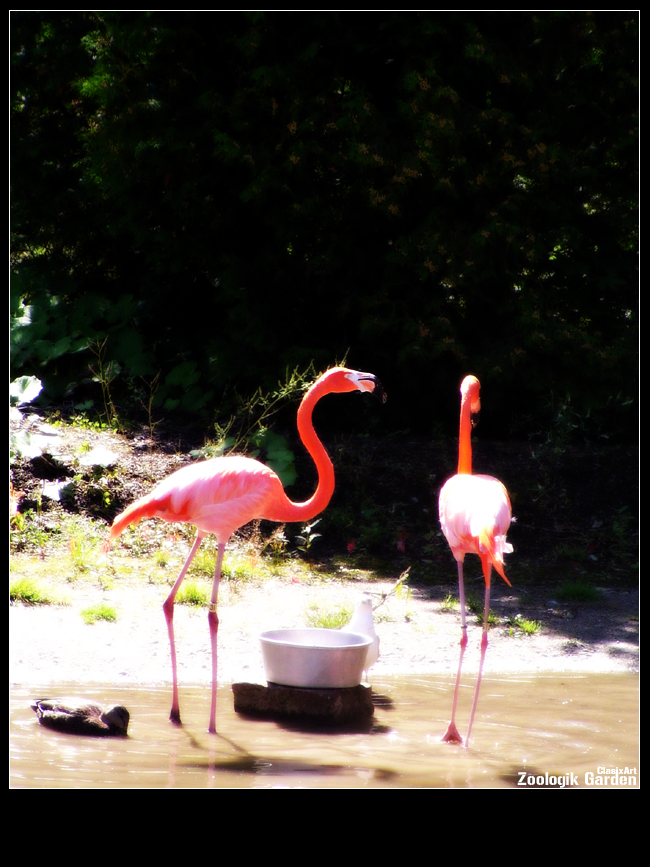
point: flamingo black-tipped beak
(378, 389)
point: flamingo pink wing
(471, 506)
(217, 496)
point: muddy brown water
(551, 711)
(555, 730)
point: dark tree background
(222, 195)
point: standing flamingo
(220, 495)
(475, 515)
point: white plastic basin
(316, 658)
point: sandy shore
(417, 635)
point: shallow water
(547, 729)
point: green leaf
(25, 389)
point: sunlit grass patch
(99, 612)
(191, 593)
(162, 558)
(450, 602)
(204, 561)
(84, 550)
(333, 617)
(528, 627)
(30, 591)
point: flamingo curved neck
(290, 511)
(465, 437)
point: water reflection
(542, 729)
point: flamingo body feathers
(475, 514)
(217, 496)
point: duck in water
(81, 717)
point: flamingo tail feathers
(146, 507)
(495, 547)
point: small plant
(307, 538)
(203, 562)
(247, 429)
(162, 559)
(235, 570)
(529, 627)
(104, 373)
(27, 530)
(328, 618)
(30, 592)
(450, 602)
(277, 545)
(81, 420)
(99, 612)
(80, 548)
(153, 388)
(254, 413)
(578, 591)
(477, 607)
(191, 593)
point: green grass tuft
(578, 591)
(328, 618)
(191, 593)
(31, 592)
(528, 627)
(99, 612)
(477, 607)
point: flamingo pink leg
(213, 622)
(168, 608)
(451, 735)
(484, 644)
(221, 494)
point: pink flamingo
(220, 495)
(475, 515)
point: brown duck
(79, 717)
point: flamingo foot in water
(451, 736)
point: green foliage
(578, 591)
(477, 606)
(528, 627)
(191, 593)
(25, 389)
(276, 544)
(220, 196)
(278, 455)
(307, 537)
(22, 443)
(30, 592)
(203, 562)
(328, 618)
(27, 531)
(99, 612)
(246, 430)
(450, 602)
